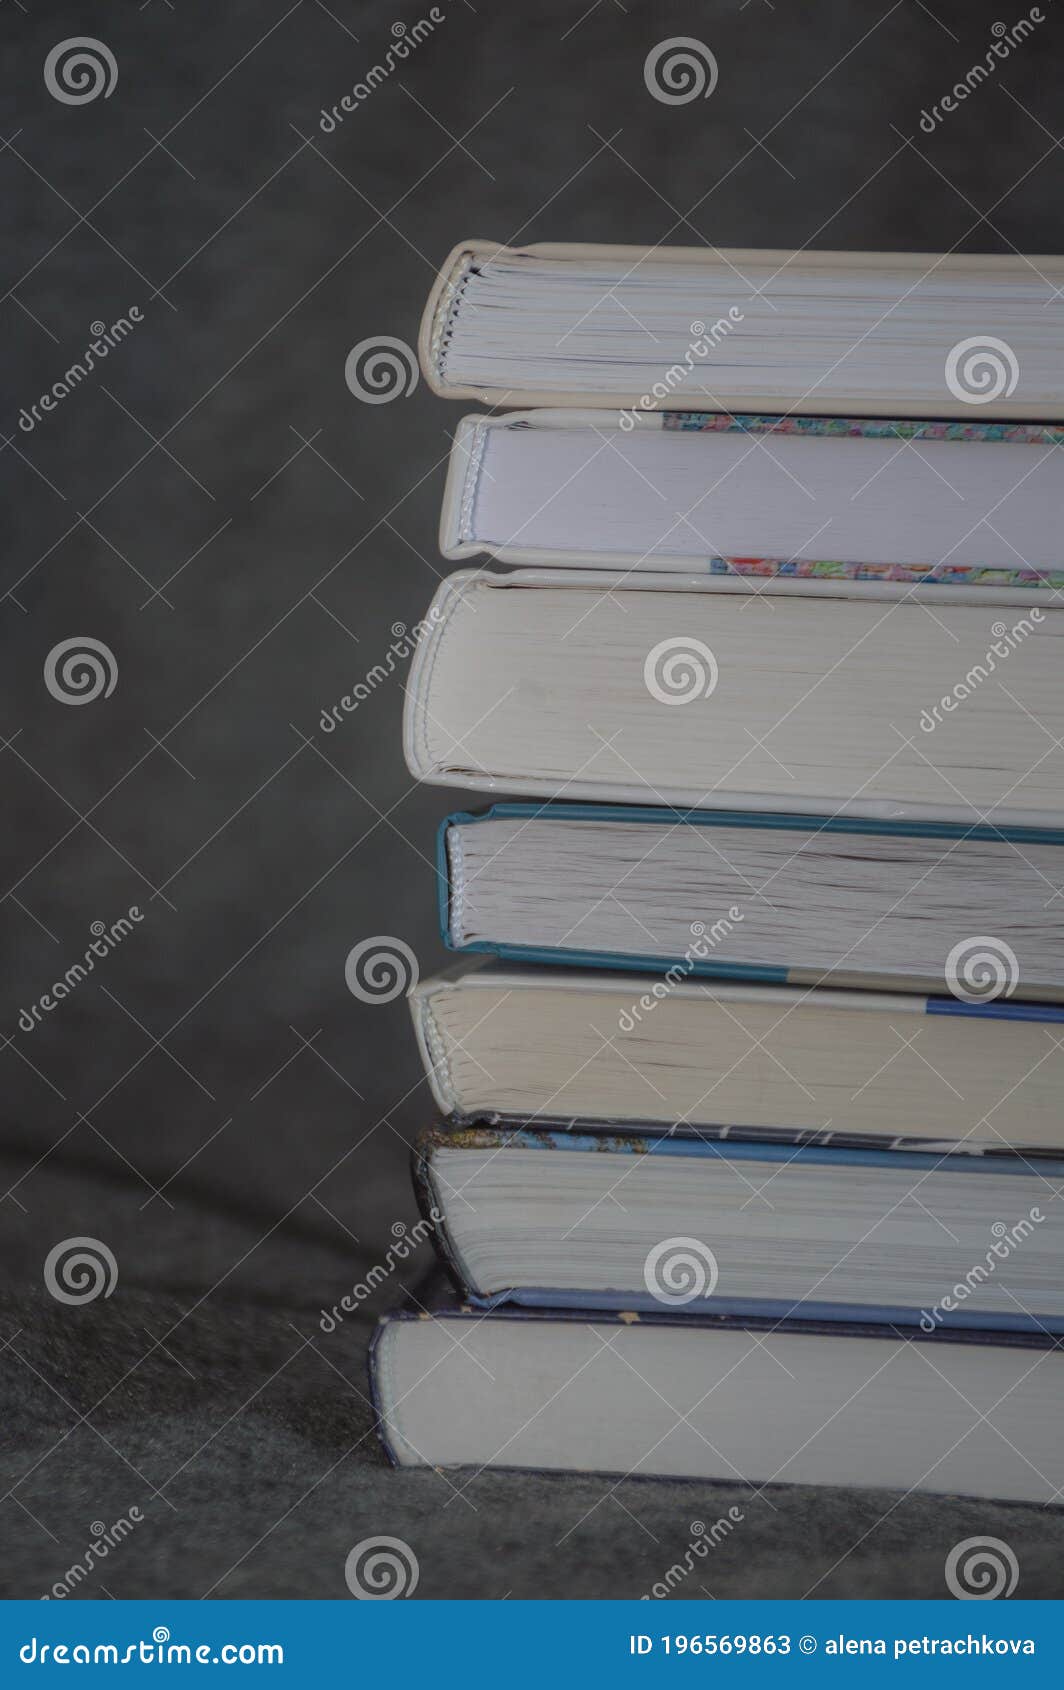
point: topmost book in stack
(863, 333)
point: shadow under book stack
(750, 1071)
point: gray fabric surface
(213, 1104)
(267, 1472)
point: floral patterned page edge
(967, 575)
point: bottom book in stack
(697, 1398)
(671, 1305)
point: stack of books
(749, 1163)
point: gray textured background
(213, 1103)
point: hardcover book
(784, 899)
(698, 1398)
(863, 333)
(801, 498)
(557, 1046)
(619, 1221)
(858, 697)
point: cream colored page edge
(453, 589)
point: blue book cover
(1037, 1181)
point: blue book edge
(752, 973)
(773, 1312)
